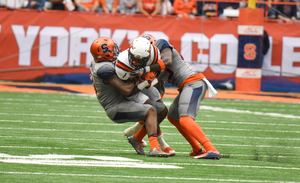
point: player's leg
(150, 93)
(189, 103)
(162, 112)
(138, 98)
(134, 129)
(152, 134)
(196, 148)
(173, 117)
(160, 117)
(131, 111)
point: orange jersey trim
(155, 54)
(161, 64)
(191, 79)
(123, 66)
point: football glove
(150, 76)
(142, 71)
(149, 80)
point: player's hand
(138, 79)
(151, 78)
(140, 72)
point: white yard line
(164, 126)
(44, 101)
(52, 115)
(131, 150)
(87, 161)
(169, 142)
(60, 130)
(202, 107)
(65, 123)
(219, 109)
(205, 128)
(248, 123)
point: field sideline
(60, 133)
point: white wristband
(154, 82)
(147, 69)
(142, 85)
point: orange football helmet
(104, 49)
(149, 37)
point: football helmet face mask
(139, 52)
(150, 38)
(104, 49)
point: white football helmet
(139, 52)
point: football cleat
(169, 151)
(210, 154)
(193, 153)
(136, 144)
(156, 152)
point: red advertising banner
(37, 43)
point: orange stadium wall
(37, 43)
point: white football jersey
(124, 69)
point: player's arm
(164, 62)
(127, 88)
(160, 86)
(124, 87)
(166, 56)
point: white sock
(162, 142)
(133, 130)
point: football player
(112, 92)
(192, 87)
(141, 54)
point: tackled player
(112, 92)
(140, 53)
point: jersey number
(250, 51)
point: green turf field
(68, 138)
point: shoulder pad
(105, 71)
(122, 74)
(162, 44)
